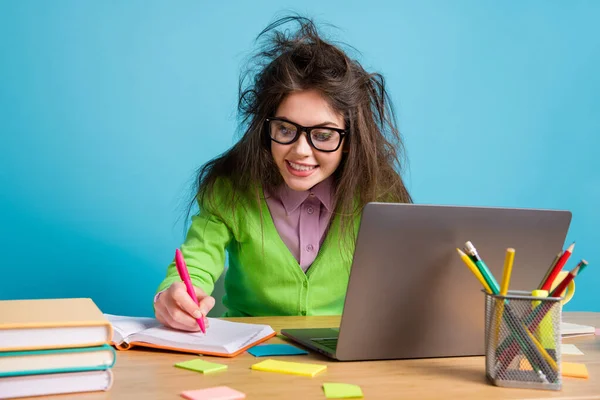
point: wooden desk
(142, 374)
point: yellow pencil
(508, 264)
(469, 263)
(542, 350)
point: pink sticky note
(214, 393)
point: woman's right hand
(176, 309)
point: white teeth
(299, 167)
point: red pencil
(557, 268)
(560, 288)
(550, 269)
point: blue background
(107, 109)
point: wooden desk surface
(146, 374)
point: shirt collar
(292, 199)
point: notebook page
(243, 342)
(127, 326)
(221, 336)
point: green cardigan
(263, 278)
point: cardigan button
(305, 284)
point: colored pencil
(469, 263)
(557, 268)
(582, 268)
(562, 286)
(550, 269)
(508, 264)
(485, 271)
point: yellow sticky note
(199, 365)
(575, 370)
(288, 367)
(342, 391)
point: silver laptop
(411, 296)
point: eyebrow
(325, 123)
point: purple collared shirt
(302, 218)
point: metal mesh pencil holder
(522, 340)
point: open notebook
(222, 338)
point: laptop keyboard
(330, 343)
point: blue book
(34, 362)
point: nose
(301, 146)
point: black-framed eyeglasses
(320, 138)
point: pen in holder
(522, 340)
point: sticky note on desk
(574, 370)
(214, 393)
(199, 365)
(275, 350)
(570, 349)
(288, 367)
(342, 391)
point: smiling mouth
(301, 167)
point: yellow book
(52, 324)
(288, 367)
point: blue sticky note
(275, 350)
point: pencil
(550, 269)
(557, 267)
(469, 263)
(485, 271)
(508, 264)
(562, 286)
(582, 268)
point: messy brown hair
(293, 60)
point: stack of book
(54, 346)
